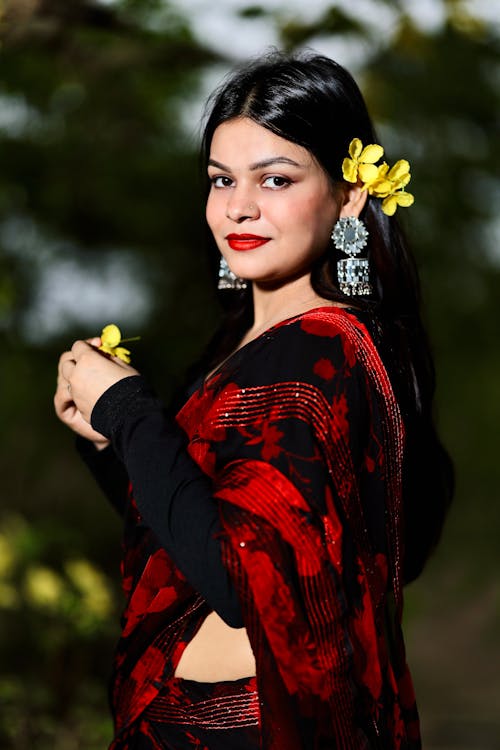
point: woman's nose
(242, 207)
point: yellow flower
(361, 163)
(110, 338)
(43, 587)
(379, 181)
(390, 185)
(92, 585)
(400, 198)
(111, 335)
(400, 173)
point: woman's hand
(84, 373)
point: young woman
(271, 523)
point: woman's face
(271, 207)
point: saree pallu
(303, 439)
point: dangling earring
(350, 235)
(227, 279)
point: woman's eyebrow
(274, 160)
(258, 164)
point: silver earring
(227, 279)
(350, 235)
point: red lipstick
(245, 241)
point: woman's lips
(245, 241)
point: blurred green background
(101, 220)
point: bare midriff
(217, 652)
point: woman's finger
(67, 368)
(80, 348)
(65, 357)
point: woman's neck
(274, 305)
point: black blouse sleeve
(172, 494)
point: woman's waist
(217, 652)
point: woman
(270, 526)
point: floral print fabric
(302, 437)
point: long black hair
(314, 102)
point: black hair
(314, 102)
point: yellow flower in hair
(400, 174)
(399, 198)
(390, 186)
(361, 164)
(379, 181)
(111, 337)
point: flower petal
(371, 153)
(355, 148)
(111, 335)
(402, 181)
(389, 205)
(404, 199)
(368, 172)
(350, 170)
(399, 170)
(122, 353)
(380, 188)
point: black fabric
(147, 443)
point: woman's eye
(220, 181)
(276, 182)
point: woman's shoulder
(316, 326)
(340, 330)
(317, 347)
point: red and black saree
(303, 440)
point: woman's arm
(172, 494)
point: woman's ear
(354, 201)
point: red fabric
(335, 684)
(303, 439)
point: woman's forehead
(243, 140)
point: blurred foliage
(99, 159)
(56, 628)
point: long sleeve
(172, 494)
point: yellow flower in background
(111, 337)
(96, 596)
(43, 587)
(361, 163)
